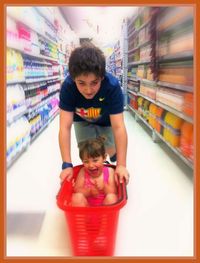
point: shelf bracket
(155, 137)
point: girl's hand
(99, 185)
(94, 191)
(106, 188)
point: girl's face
(88, 85)
(94, 165)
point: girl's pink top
(96, 200)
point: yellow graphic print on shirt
(91, 114)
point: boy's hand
(121, 173)
(66, 174)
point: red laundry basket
(92, 229)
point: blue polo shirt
(108, 100)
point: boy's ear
(105, 156)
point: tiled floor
(158, 217)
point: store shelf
(33, 55)
(10, 82)
(181, 56)
(140, 117)
(139, 29)
(43, 127)
(42, 79)
(10, 163)
(155, 133)
(146, 97)
(182, 23)
(176, 151)
(176, 86)
(139, 46)
(16, 114)
(168, 108)
(139, 62)
(134, 78)
(177, 113)
(149, 82)
(29, 25)
(132, 92)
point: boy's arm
(66, 120)
(121, 140)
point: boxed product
(171, 97)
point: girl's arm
(110, 187)
(79, 184)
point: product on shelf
(148, 90)
(14, 66)
(152, 115)
(144, 35)
(15, 101)
(171, 97)
(172, 129)
(47, 48)
(12, 35)
(133, 101)
(145, 53)
(149, 74)
(140, 102)
(177, 72)
(35, 49)
(174, 16)
(188, 104)
(24, 37)
(186, 140)
(160, 115)
(146, 105)
(18, 137)
(174, 45)
(141, 71)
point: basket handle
(64, 195)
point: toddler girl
(95, 183)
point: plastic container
(188, 104)
(152, 115)
(92, 229)
(172, 131)
(160, 115)
(186, 140)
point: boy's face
(93, 165)
(88, 85)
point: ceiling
(102, 24)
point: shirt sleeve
(116, 103)
(67, 97)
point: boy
(92, 99)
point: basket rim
(112, 207)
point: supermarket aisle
(157, 220)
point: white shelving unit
(39, 27)
(134, 82)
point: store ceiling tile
(101, 23)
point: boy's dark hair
(87, 59)
(92, 148)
